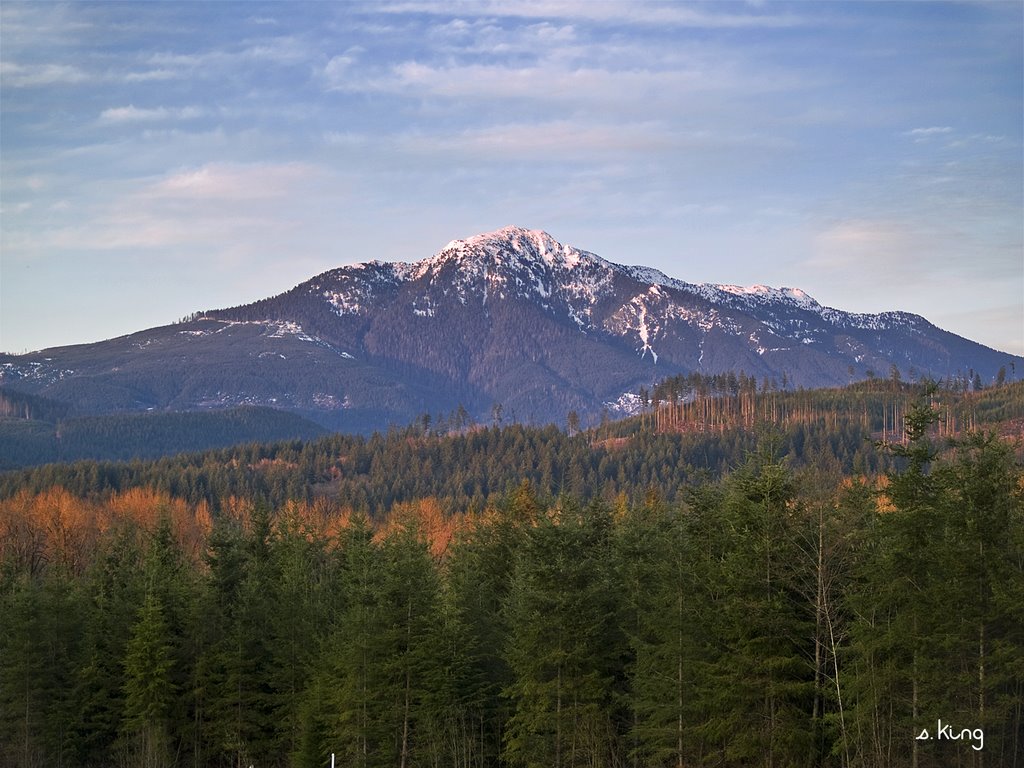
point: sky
(163, 158)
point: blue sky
(161, 158)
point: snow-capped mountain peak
(512, 317)
(526, 244)
(531, 264)
(660, 320)
(532, 250)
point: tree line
(779, 615)
(27, 439)
(468, 466)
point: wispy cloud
(887, 250)
(14, 75)
(337, 68)
(219, 181)
(219, 206)
(133, 114)
(547, 83)
(277, 50)
(724, 16)
(894, 257)
(561, 140)
(931, 131)
(880, 264)
(147, 75)
(922, 135)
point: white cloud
(876, 250)
(218, 206)
(632, 12)
(920, 135)
(149, 75)
(221, 181)
(338, 67)
(552, 34)
(32, 27)
(16, 208)
(567, 86)
(983, 323)
(478, 65)
(906, 258)
(16, 75)
(133, 114)
(879, 264)
(556, 140)
(284, 49)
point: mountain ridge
(509, 318)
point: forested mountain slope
(691, 427)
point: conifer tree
(564, 646)
(149, 690)
(173, 585)
(982, 587)
(479, 575)
(40, 649)
(665, 618)
(895, 605)
(300, 606)
(415, 668)
(237, 664)
(763, 686)
(354, 657)
(116, 592)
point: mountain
(510, 318)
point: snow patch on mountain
(883, 321)
(652, 276)
(626, 404)
(640, 318)
(272, 329)
(764, 293)
(34, 370)
(281, 328)
(354, 289)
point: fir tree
(149, 690)
(564, 646)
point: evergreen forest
(740, 575)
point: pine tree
(664, 614)
(479, 574)
(978, 580)
(236, 666)
(173, 585)
(299, 607)
(564, 647)
(149, 690)
(116, 592)
(762, 706)
(415, 668)
(40, 648)
(353, 658)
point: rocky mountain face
(510, 318)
